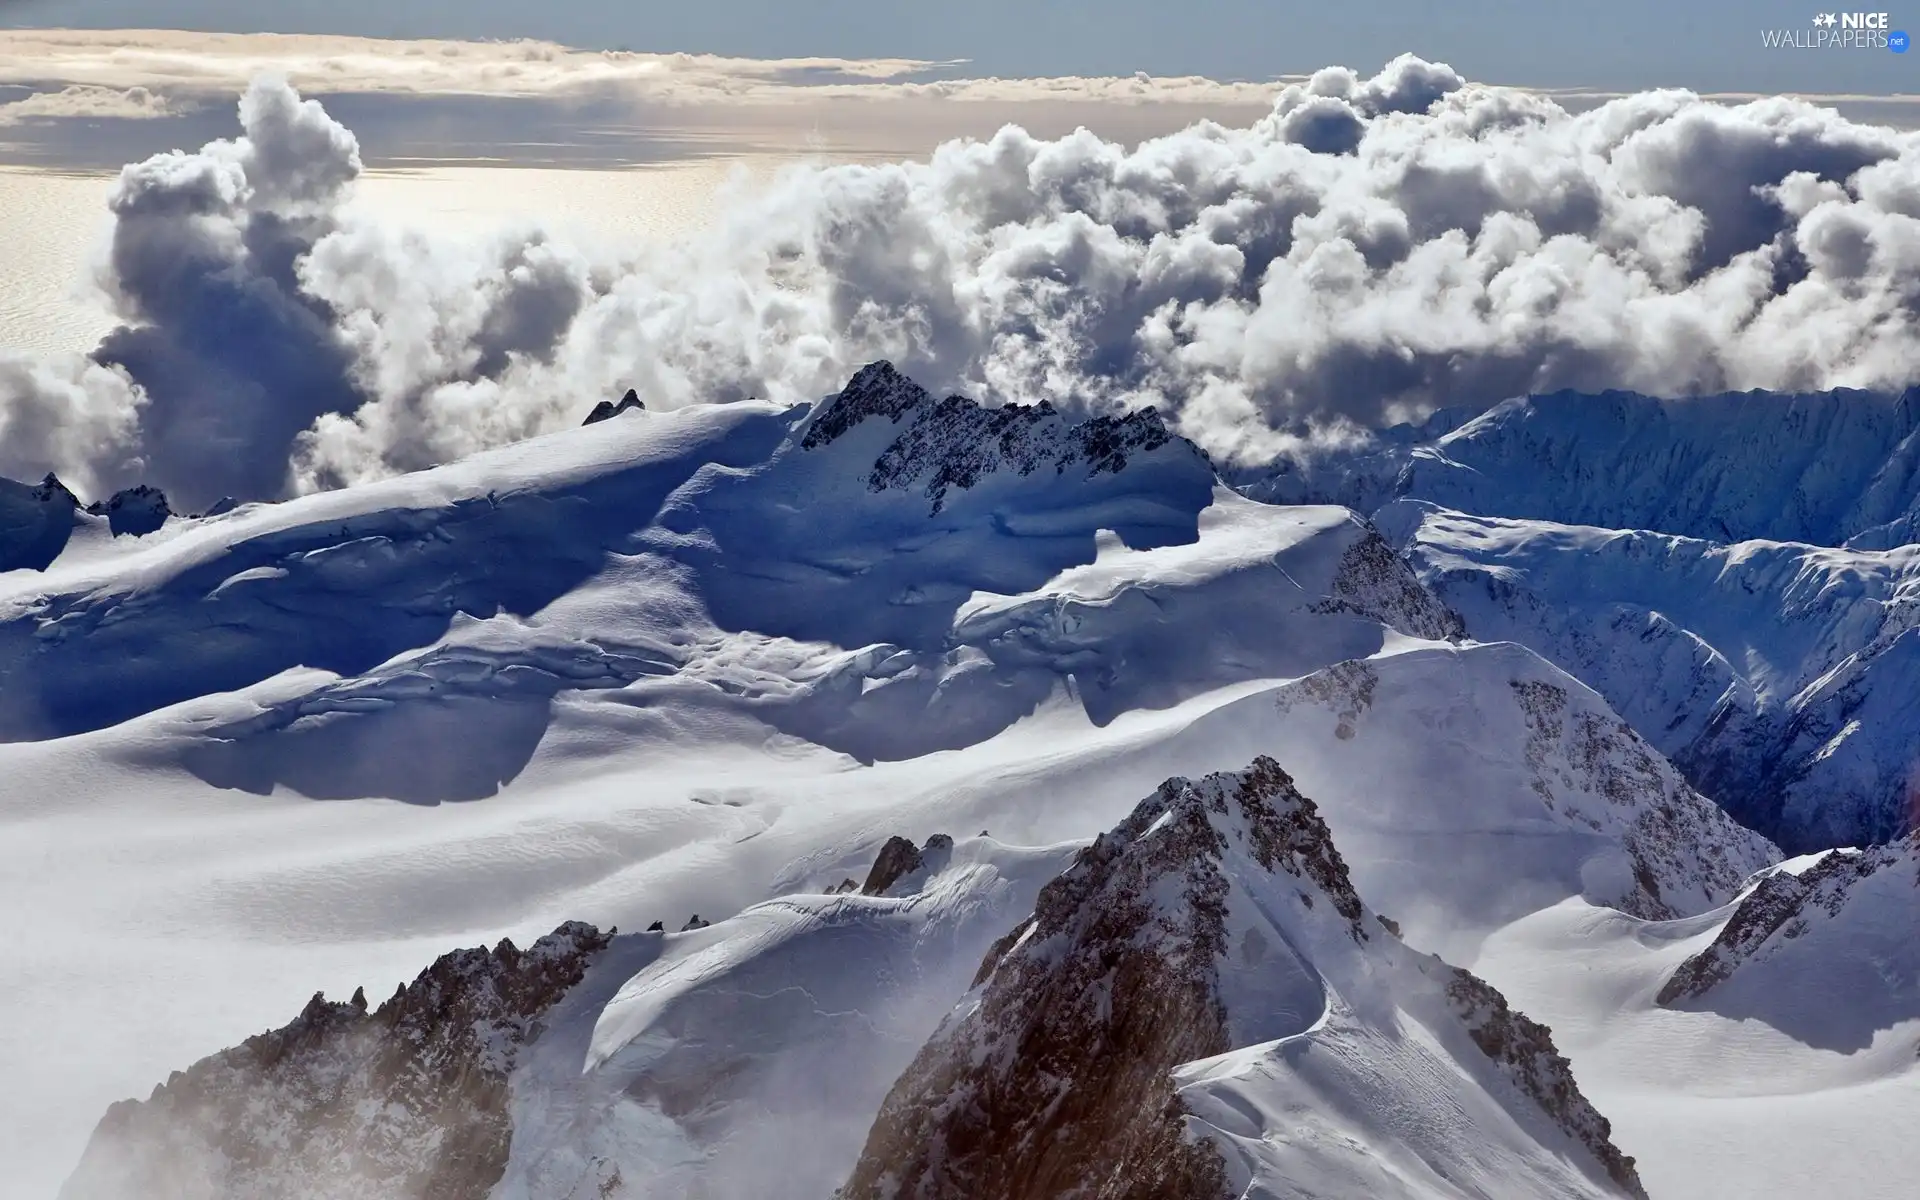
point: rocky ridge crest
(404, 1102)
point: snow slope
(1777, 675)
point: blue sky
(1704, 44)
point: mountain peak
(1834, 924)
(136, 510)
(957, 442)
(607, 409)
(876, 390)
(1090, 1003)
(1205, 965)
(407, 1100)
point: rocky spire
(607, 409)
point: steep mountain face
(1203, 967)
(1752, 616)
(36, 523)
(136, 511)
(1838, 926)
(1772, 674)
(407, 1102)
(1831, 468)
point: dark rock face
(1057, 1082)
(607, 409)
(896, 858)
(51, 491)
(137, 511)
(694, 922)
(876, 390)
(35, 523)
(408, 1102)
(1374, 582)
(956, 442)
(1524, 1050)
(1778, 907)
(899, 859)
(222, 507)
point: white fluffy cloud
(1371, 248)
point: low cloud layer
(1370, 249)
(186, 64)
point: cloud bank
(186, 64)
(1369, 249)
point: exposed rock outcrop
(35, 522)
(899, 858)
(1788, 910)
(956, 442)
(1372, 581)
(137, 511)
(407, 1102)
(1523, 1049)
(607, 409)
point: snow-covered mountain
(1827, 468)
(1776, 675)
(742, 661)
(1202, 1006)
(1736, 574)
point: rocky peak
(957, 442)
(607, 409)
(1079, 1065)
(408, 1101)
(876, 390)
(1054, 1077)
(51, 491)
(898, 860)
(137, 510)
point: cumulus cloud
(1369, 249)
(68, 414)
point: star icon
(1826, 19)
